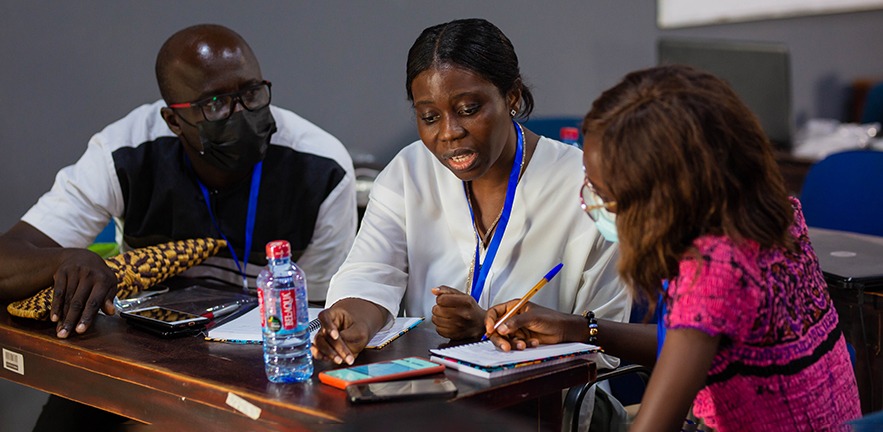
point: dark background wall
(70, 68)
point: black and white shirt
(135, 172)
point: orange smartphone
(380, 371)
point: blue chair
(105, 243)
(550, 127)
(872, 112)
(108, 234)
(845, 192)
(872, 422)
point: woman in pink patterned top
(680, 172)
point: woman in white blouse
(472, 214)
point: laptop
(849, 261)
(759, 72)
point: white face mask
(606, 225)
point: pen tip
(554, 271)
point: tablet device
(380, 371)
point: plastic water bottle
(282, 297)
(570, 135)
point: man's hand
(83, 283)
(456, 315)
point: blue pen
(525, 299)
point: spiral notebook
(485, 360)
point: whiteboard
(684, 13)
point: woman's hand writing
(532, 326)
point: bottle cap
(278, 249)
(569, 134)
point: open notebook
(485, 360)
(247, 329)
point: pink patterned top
(782, 363)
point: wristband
(592, 323)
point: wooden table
(193, 384)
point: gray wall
(70, 68)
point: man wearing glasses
(212, 159)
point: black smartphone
(401, 390)
(165, 332)
(164, 318)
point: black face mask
(240, 141)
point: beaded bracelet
(592, 323)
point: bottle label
(278, 309)
(261, 307)
(288, 305)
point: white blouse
(417, 234)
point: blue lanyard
(660, 317)
(249, 219)
(481, 270)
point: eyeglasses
(220, 107)
(591, 202)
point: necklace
(486, 237)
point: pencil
(536, 288)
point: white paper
(247, 329)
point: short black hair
(473, 44)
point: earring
(513, 112)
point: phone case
(425, 388)
(167, 333)
(380, 371)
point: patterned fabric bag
(136, 270)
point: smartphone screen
(380, 371)
(164, 317)
(409, 389)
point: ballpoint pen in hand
(219, 311)
(525, 299)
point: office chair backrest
(845, 192)
(872, 112)
(550, 127)
(105, 244)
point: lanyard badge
(481, 269)
(249, 220)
